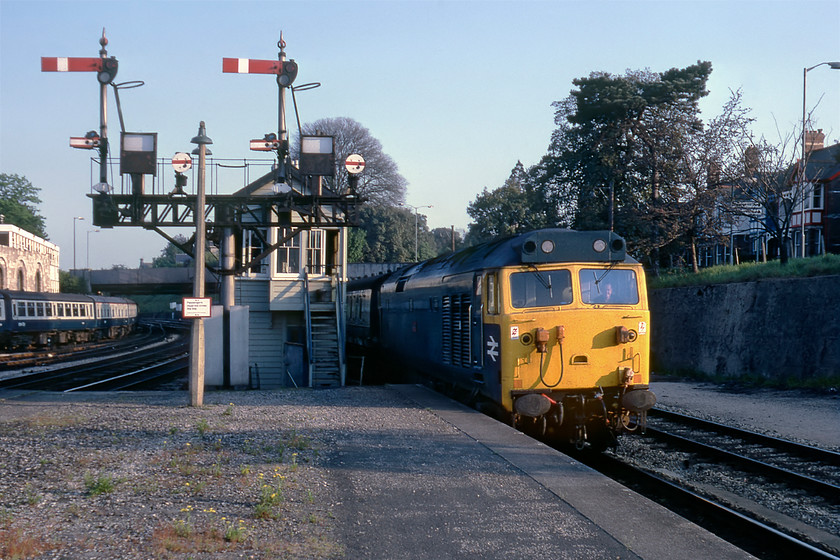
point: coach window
(39, 309)
(30, 308)
(59, 308)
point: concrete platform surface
(438, 480)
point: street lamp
(416, 227)
(87, 248)
(74, 239)
(834, 66)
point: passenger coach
(551, 327)
(46, 319)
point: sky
(456, 91)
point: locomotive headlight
(599, 245)
(623, 335)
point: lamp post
(87, 248)
(834, 66)
(196, 377)
(74, 239)
(416, 227)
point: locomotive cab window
(492, 294)
(610, 286)
(540, 288)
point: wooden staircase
(325, 365)
(325, 339)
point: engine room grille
(456, 330)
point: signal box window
(540, 288)
(618, 287)
(288, 254)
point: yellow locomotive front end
(573, 347)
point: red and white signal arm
(264, 145)
(67, 64)
(181, 162)
(354, 164)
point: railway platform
(387, 472)
(448, 482)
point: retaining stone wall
(772, 328)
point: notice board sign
(196, 307)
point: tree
(446, 240)
(18, 204)
(69, 284)
(620, 143)
(388, 236)
(169, 254)
(381, 182)
(501, 212)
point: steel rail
(128, 374)
(825, 489)
(743, 531)
(825, 455)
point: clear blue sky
(456, 91)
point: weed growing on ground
(102, 484)
(32, 497)
(202, 426)
(17, 544)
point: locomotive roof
(542, 246)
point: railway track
(147, 333)
(712, 474)
(134, 368)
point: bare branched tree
(381, 182)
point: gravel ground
(142, 475)
(804, 416)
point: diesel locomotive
(547, 330)
(35, 319)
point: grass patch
(102, 484)
(824, 265)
